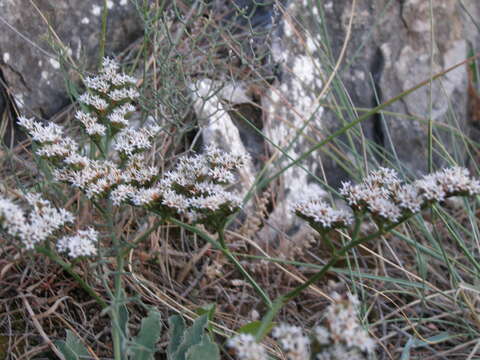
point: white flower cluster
(90, 123)
(320, 213)
(81, 244)
(132, 141)
(388, 199)
(246, 348)
(194, 188)
(53, 144)
(374, 194)
(96, 178)
(101, 114)
(447, 182)
(107, 100)
(42, 222)
(293, 342)
(343, 337)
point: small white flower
(109, 68)
(95, 179)
(408, 198)
(354, 194)
(48, 133)
(323, 214)
(138, 172)
(90, 122)
(292, 341)
(384, 208)
(221, 175)
(176, 201)
(382, 177)
(12, 218)
(131, 141)
(123, 94)
(77, 160)
(81, 244)
(123, 79)
(97, 83)
(117, 116)
(93, 100)
(343, 325)
(61, 149)
(143, 197)
(430, 188)
(123, 193)
(457, 180)
(27, 123)
(246, 348)
(41, 222)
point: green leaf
(148, 336)
(193, 335)
(72, 348)
(123, 317)
(204, 350)
(413, 343)
(253, 327)
(208, 310)
(176, 331)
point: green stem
(117, 294)
(284, 299)
(69, 269)
(326, 239)
(220, 245)
(103, 35)
(141, 238)
(221, 237)
(116, 329)
(430, 93)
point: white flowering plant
(386, 199)
(340, 336)
(112, 172)
(388, 202)
(115, 172)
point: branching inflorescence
(387, 199)
(113, 170)
(194, 189)
(340, 337)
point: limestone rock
(389, 51)
(29, 47)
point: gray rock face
(30, 66)
(389, 51)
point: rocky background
(389, 51)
